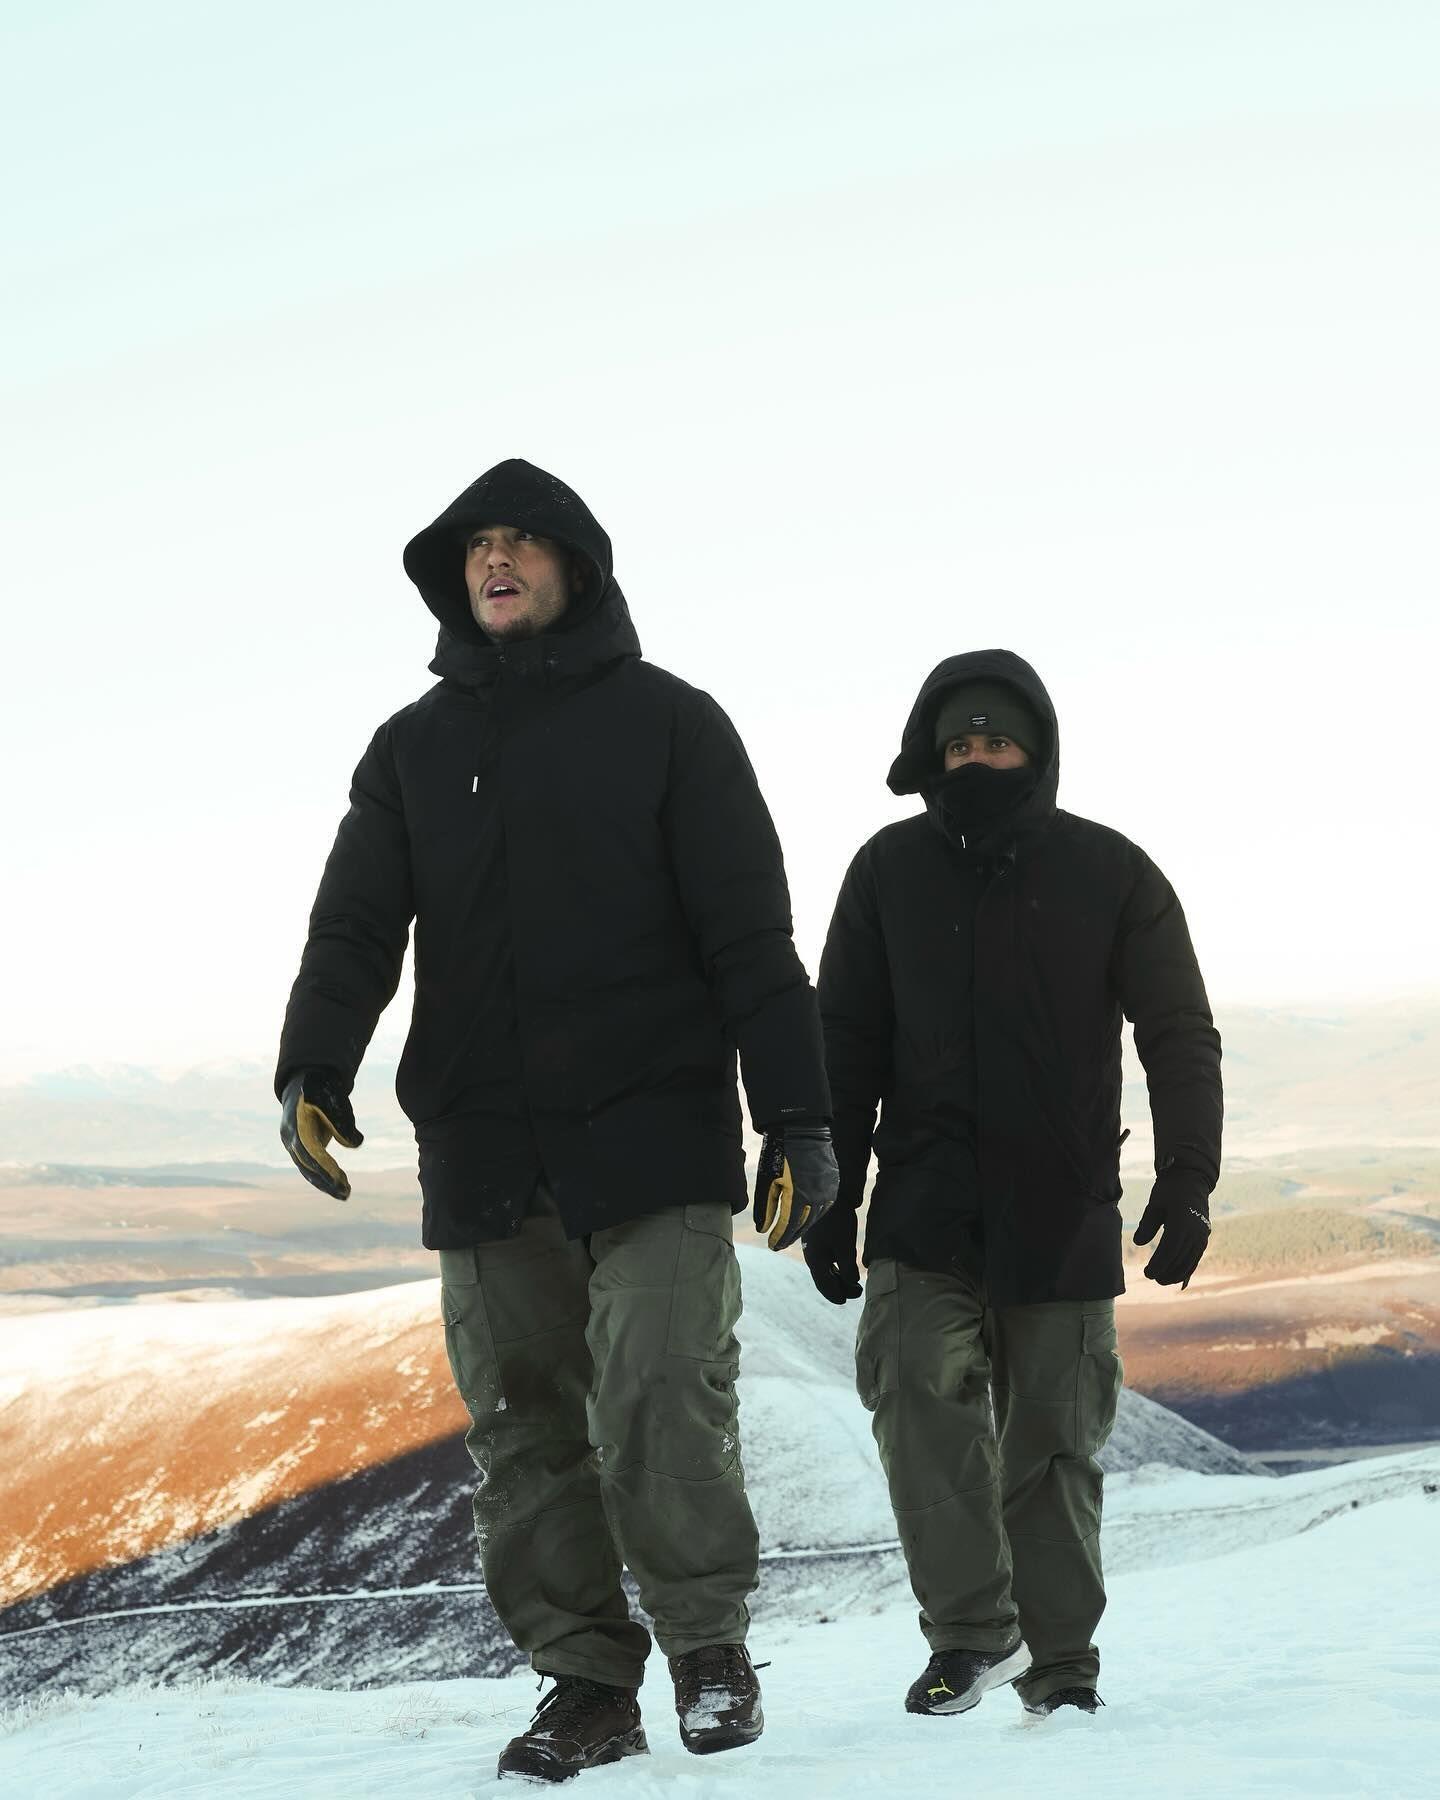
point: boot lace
(568, 1705)
(722, 1666)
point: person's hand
(1179, 1205)
(796, 1183)
(830, 1256)
(313, 1109)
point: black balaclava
(974, 799)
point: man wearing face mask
(980, 964)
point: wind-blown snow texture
(1305, 1663)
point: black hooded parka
(972, 987)
(600, 905)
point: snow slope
(1304, 1663)
(132, 1430)
(277, 1487)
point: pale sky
(873, 333)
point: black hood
(595, 627)
(917, 767)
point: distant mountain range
(218, 1113)
(1366, 1074)
(1362, 1074)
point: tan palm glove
(796, 1183)
(314, 1110)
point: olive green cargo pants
(988, 1422)
(599, 1374)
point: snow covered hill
(278, 1488)
(1245, 1654)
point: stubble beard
(546, 609)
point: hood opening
(518, 493)
(918, 764)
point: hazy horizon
(1296, 1082)
(389, 1039)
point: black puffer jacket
(975, 993)
(601, 912)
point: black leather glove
(830, 1254)
(314, 1109)
(796, 1183)
(1180, 1203)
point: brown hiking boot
(578, 1725)
(717, 1698)
(1083, 1699)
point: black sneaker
(1083, 1699)
(717, 1698)
(956, 1680)
(578, 1725)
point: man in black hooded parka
(978, 968)
(601, 921)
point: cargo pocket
(1102, 1374)
(469, 1341)
(705, 1293)
(877, 1343)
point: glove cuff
(1176, 1184)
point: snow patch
(1263, 1671)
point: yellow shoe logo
(942, 1689)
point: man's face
(519, 584)
(976, 747)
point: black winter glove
(796, 1183)
(829, 1249)
(314, 1109)
(1180, 1202)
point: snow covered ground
(1263, 1638)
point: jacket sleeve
(731, 879)
(1161, 991)
(857, 1010)
(359, 928)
